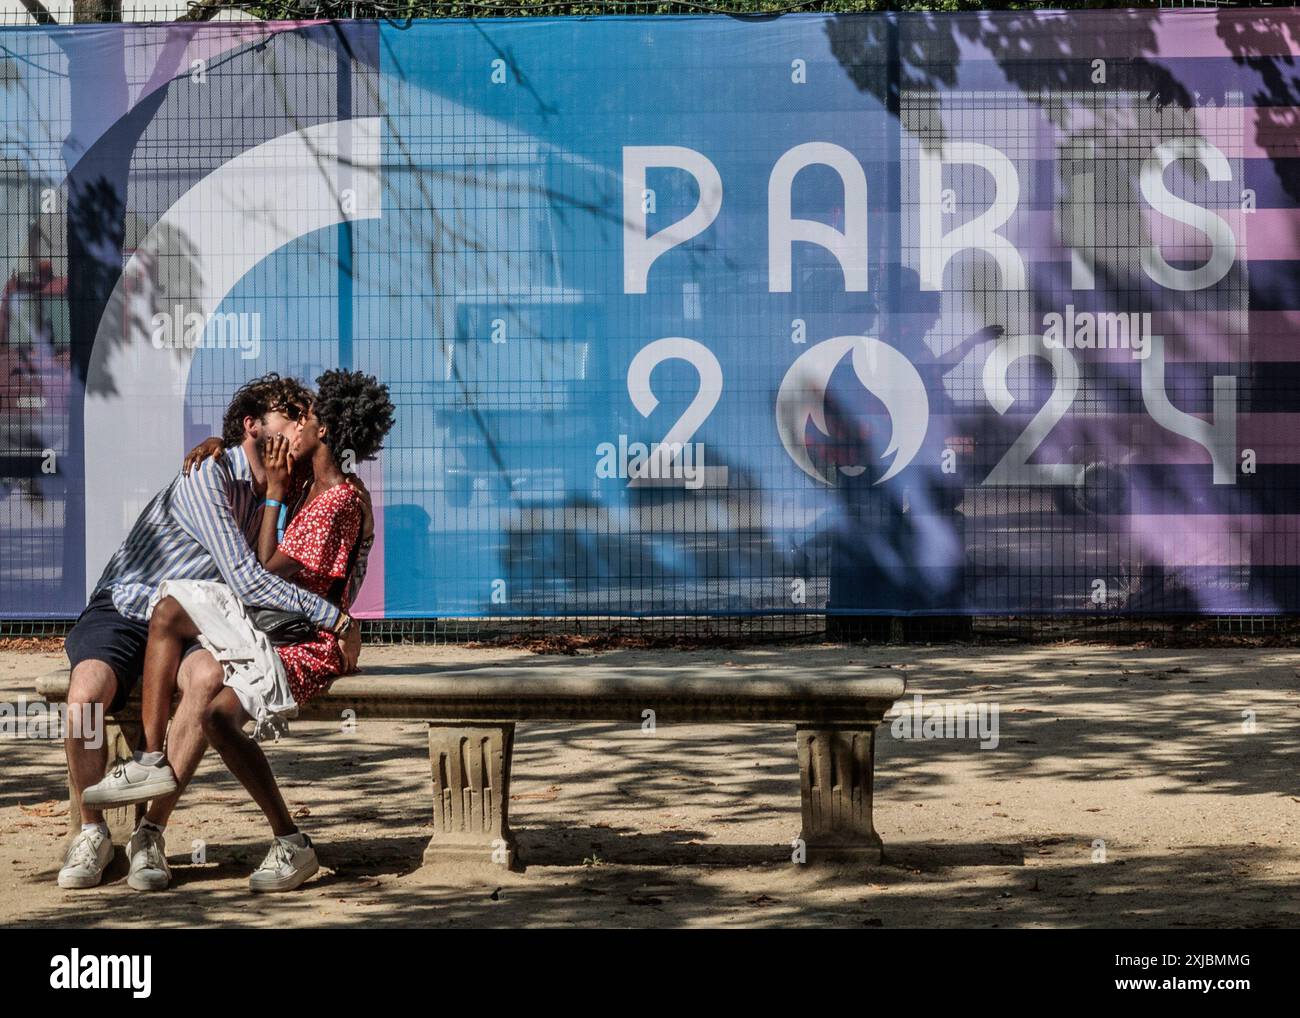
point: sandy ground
(1146, 750)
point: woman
(350, 417)
(322, 549)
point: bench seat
(472, 711)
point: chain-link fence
(573, 635)
(22, 12)
(559, 632)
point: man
(199, 527)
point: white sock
(152, 826)
(101, 826)
(149, 759)
(296, 839)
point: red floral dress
(320, 537)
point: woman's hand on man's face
(278, 462)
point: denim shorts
(102, 634)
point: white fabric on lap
(251, 666)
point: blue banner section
(861, 314)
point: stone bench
(472, 712)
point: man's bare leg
(91, 689)
(223, 724)
(170, 629)
(200, 680)
(93, 683)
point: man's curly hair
(355, 409)
(257, 398)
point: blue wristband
(279, 524)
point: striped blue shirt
(203, 526)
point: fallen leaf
(547, 795)
(49, 808)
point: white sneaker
(87, 856)
(130, 782)
(148, 853)
(285, 867)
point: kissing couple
(233, 587)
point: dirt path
(1142, 749)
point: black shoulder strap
(340, 586)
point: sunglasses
(290, 410)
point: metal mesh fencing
(476, 485)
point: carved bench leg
(471, 793)
(835, 773)
(121, 738)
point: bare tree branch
(38, 11)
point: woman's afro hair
(355, 409)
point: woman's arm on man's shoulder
(210, 447)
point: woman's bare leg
(223, 724)
(201, 679)
(170, 629)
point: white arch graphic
(204, 244)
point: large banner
(986, 313)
